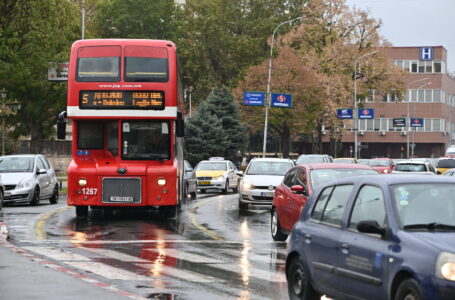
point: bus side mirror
(61, 126)
(180, 128)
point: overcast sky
(415, 22)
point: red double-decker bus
(125, 101)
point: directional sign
(366, 113)
(416, 122)
(344, 113)
(281, 100)
(58, 71)
(253, 98)
(399, 122)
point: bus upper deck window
(101, 63)
(146, 64)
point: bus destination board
(121, 100)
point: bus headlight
(82, 182)
(161, 181)
(445, 266)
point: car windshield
(380, 163)
(364, 162)
(446, 163)
(410, 167)
(321, 176)
(425, 206)
(343, 161)
(212, 166)
(16, 164)
(268, 168)
(308, 159)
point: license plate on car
(121, 199)
(204, 182)
(267, 194)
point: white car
(217, 174)
(414, 167)
(261, 177)
(28, 179)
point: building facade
(429, 102)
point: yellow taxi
(445, 164)
(217, 173)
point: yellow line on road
(39, 231)
(198, 225)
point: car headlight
(246, 185)
(386, 171)
(26, 183)
(445, 266)
(221, 177)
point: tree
(32, 34)
(137, 19)
(220, 107)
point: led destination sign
(121, 100)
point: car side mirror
(240, 173)
(370, 226)
(298, 189)
(40, 171)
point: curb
(3, 231)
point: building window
(437, 66)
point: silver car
(28, 179)
(261, 177)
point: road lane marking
(56, 254)
(195, 258)
(102, 242)
(196, 224)
(39, 231)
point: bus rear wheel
(81, 211)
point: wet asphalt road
(209, 251)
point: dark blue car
(376, 237)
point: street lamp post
(356, 114)
(408, 120)
(6, 109)
(269, 96)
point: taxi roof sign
(216, 158)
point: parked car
(364, 161)
(414, 166)
(2, 188)
(190, 180)
(298, 184)
(28, 179)
(345, 160)
(217, 173)
(376, 237)
(313, 158)
(445, 164)
(260, 179)
(383, 165)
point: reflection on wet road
(140, 252)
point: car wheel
(81, 211)
(54, 198)
(35, 199)
(236, 188)
(1, 199)
(299, 282)
(409, 289)
(277, 233)
(226, 187)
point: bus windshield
(145, 140)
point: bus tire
(81, 211)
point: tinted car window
(289, 178)
(369, 205)
(321, 203)
(446, 163)
(333, 212)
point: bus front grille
(121, 190)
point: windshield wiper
(430, 226)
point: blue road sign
(344, 113)
(366, 113)
(426, 53)
(281, 100)
(416, 122)
(253, 98)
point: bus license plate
(121, 199)
(267, 194)
(204, 182)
